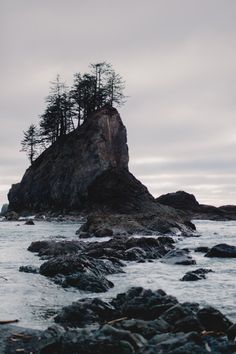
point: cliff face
(59, 178)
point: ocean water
(34, 299)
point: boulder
(29, 222)
(179, 200)
(197, 274)
(222, 250)
(178, 256)
(214, 320)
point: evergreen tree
(57, 118)
(30, 142)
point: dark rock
(179, 200)
(197, 274)
(130, 248)
(77, 159)
(85, 312)
(84, 235)
(88, 282)
(12, 216)
(29, 222)
(71, 264)
(56, 248)
(213, 320)
(222, 250)
(103, 232)
(203, 249)
(4, 210)
(29, 269)
(178, 256)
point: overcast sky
(178, 58)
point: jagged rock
(178, 256)
(66, 169)
(88, 282)
(130, 248)
(214, 320)
(162, 221)
(29, 222)
(81, 272)
(222, 250)
(29, 269)
(85, 312)
(56, 248)
(12, 216)
(103, 233)
(179, 200)
(4, 210)
(197, 274)
(87, 170)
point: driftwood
(7, 322)
(117, 320)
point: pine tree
(30, 142)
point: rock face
(60, 177)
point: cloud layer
(178, 60)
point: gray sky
(178, 59)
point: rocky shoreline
(137, 321)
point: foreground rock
(223, 251)
(82, 272)
(136, 322)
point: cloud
(178, 59)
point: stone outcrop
(59, 178)
(179, 200)
(87, 171)
(187, 202)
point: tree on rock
(56, 121)
(30, 142)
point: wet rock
(143, 304)
(213, 320)
(29, 269)
(71, 264)
(146, 328)
(56, 248)
(101, 341)
(223, 251)
(83, 234)
(85, 312)
(103, 232)
(202, 249)
(197, 274)
(178, 256)
(88, 282)
(174, 343)
(12, 216)
(130, 248)
(29, 222)
(81, 272)
(142, 223)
